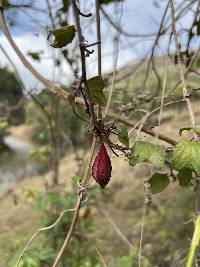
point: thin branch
(98, 30)
(115, 226)
(185, 91)
(188, 70)
(116, 55)
(155, 43)
(69, 234)
(39, 231)
(82, 47)
(78, 205)
(190, 33)
(141, 121)
(95, 247)
(50, 14)
(141, 235)
(147, 204)
(119, 29)
(163, 94)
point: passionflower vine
(102, 168)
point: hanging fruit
(102, 168)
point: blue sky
(139, 16)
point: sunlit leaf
(186, 155)
(143, 151)
(96, 86)
(62, 36)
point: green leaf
(158, 182)
(35, 55)
(63, 36)
(186, 155)
(96, 86)
(109, 1)
(185, 177)
(195, 128)
(143, 151)
(123, 135)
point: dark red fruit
(102, 168)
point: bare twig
(98, 29)
(155, 44)
(142, 121)
(39, 231)
(82, 47)
(95, 247)
(119, 29)
(78, 205)
(163, 95)
(115, 56)
(185, 91)
(115, 226)
(69, 234)
(188, 70)
(190, 33)
(141, 235)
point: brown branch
(50, 14)
(127, 122)
(190, 33)
(114, 225)
(82, 47)
(98, 30)
(159, 34)
(178, 53)
(188, 70)
(78, 205)
(69, 234)
(155, 44)
(119, 29)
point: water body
(15, 164)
